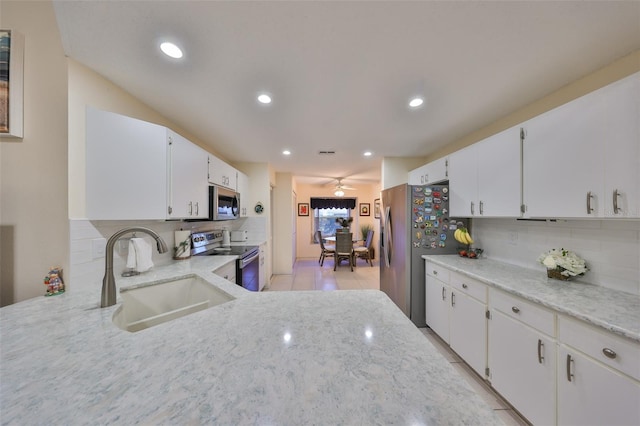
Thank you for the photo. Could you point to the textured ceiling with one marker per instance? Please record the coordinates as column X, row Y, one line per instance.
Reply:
column 341, row 73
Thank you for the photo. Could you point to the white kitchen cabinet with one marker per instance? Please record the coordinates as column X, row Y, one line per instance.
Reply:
column 262, row 277
column 431, row 173
column 597, row 376
column 485, row 178
column 243, row 189
column 188, row 189
column 222, row 174
column 467, row 321
column 138, row 170
column 437, row 296
column 576, row 155
column 522, row 358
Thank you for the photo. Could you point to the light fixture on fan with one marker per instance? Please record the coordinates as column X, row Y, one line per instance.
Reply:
column 339, row 193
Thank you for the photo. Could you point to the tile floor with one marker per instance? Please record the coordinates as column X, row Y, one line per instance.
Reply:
column 308, row 275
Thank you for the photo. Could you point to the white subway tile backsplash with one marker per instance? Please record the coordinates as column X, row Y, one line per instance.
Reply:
column 611, row 248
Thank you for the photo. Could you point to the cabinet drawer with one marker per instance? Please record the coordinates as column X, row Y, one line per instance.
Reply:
column 527, row 312
column 614, row 351
column 473, row 288
column 437, row 271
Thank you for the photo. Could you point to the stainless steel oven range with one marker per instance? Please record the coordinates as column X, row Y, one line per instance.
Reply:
column 209, row 243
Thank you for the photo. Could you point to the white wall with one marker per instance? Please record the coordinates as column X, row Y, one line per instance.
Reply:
column 395, row 170
column 611, row 248
column 284, row 224
column 34, row 233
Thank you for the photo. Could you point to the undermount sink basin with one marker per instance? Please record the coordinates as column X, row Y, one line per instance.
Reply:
column 145, row 306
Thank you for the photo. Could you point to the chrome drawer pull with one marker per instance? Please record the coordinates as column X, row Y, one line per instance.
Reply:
column 444, row 296
column 472, row 208
column 540, row 356
column 453, row 299
column 515, row 309
column 569, row 373
column 616, row 194
column 609, row 353
column 589, row 197
column 464, row 285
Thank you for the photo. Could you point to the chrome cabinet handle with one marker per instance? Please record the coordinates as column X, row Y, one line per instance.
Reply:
column 444, row 295
column 481, row 207
column 435, row 272
column 197, row 208
column 616, row 194
column 515, row 309
column 609, row 353
column 540, row 347
column 190, row 208
column 453, row 299
column 569, row 373
column 464, row 285
column 472, row 208
column 589, row 197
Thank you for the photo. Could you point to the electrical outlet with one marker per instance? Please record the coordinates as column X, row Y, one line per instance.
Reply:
column 98, row 248
column 512, row 238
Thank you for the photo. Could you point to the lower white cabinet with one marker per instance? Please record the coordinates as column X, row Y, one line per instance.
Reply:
column 262, row 274
column 522, row 367
column 437, row 306
column 597, row 377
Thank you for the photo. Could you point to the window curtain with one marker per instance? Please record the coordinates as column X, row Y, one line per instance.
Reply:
column 333, row 203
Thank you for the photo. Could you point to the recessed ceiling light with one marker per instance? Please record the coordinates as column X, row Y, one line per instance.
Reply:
column 367, row 153
column 286, row 152
column 171, row 50
column 416, row 102
column 263, row 98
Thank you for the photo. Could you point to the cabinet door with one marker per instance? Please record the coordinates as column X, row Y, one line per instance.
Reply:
column 418, row 176
column 222, row 174
column 188, row 189
column 245, row 199
column 463, row 182
column 499, row 175
column 468, row 330
column 563, row 160
column 437, row 171
column 126, row 168
column 437, row 307
column 522, row 368
column 622, row 148
column 591, row 394
column 262, row 277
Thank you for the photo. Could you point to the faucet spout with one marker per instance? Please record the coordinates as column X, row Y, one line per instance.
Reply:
column 108, row 297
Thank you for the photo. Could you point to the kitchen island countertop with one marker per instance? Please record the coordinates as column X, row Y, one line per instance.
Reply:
column 276, row 358
column 612, row 310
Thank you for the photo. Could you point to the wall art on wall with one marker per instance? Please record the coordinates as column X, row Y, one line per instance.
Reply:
column 365, row 209
column 303, row 209
column 11, row 83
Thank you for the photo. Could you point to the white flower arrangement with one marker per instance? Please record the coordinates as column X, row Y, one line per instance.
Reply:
column 565, row 261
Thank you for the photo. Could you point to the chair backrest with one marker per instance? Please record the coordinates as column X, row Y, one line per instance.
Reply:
column 319, row 238
column 367, row 243
column 344, row 242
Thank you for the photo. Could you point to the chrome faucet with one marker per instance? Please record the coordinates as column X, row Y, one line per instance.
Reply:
column 109, row 282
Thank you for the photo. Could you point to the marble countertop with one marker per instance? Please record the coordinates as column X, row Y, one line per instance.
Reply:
column 615, row 311
column 273, row 358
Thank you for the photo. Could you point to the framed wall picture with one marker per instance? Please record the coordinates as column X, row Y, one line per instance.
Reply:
column 376, row 208
column 365, row 209
column 11, row 83
column 303, row 209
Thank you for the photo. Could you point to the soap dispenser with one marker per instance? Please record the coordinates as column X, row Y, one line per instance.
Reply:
column 226, row 237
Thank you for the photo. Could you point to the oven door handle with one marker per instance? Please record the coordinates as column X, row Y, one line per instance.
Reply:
column 245, row 262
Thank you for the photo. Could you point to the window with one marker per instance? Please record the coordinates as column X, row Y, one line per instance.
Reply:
column 325, row 220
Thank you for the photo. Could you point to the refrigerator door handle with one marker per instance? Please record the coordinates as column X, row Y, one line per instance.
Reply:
column 387, row 239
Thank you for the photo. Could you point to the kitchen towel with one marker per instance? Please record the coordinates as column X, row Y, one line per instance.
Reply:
column 139, row 258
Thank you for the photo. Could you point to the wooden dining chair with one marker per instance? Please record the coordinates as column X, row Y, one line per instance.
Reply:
column 344, row 249
column 325, row 251
column 364, row 252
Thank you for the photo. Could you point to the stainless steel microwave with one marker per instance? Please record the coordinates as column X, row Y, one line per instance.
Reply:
column 224, row 204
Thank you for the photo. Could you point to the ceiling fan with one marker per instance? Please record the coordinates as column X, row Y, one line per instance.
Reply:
column 340, row 188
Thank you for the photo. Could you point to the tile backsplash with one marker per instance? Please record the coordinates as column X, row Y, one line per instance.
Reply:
column 88, row 240
column 611, row 248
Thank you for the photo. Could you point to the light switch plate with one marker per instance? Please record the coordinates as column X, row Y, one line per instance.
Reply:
column 98, row 246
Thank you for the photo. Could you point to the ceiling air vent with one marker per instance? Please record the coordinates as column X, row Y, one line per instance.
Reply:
column 326, row 152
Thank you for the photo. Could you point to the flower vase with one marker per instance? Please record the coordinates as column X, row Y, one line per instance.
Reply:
column 557, row 274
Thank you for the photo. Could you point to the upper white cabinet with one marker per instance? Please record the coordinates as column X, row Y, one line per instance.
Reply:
column 433, row 172
column 188, row 188
column 582, row 159
column 485, row 178
column 139, row 170
column 243, row 190
column 222, row 174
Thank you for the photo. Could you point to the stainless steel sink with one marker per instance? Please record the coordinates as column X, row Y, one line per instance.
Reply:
column 158, row 302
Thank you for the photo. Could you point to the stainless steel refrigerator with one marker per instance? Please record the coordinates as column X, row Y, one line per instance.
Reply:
column 414, row 222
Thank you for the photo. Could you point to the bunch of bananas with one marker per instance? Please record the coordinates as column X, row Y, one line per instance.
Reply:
column 462, row 236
